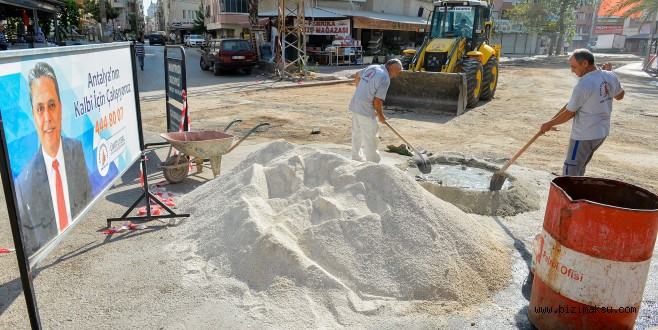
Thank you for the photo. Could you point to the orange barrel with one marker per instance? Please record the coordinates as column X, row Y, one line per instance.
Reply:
column 591, row 260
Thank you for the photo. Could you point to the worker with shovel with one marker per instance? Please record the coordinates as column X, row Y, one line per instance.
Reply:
column 366, row 106
column 590, row 107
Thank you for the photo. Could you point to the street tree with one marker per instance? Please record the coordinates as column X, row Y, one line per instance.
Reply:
column 649, row 11
column 68, row 18
column 552, row 17
column 199, row 25
column 91, row 7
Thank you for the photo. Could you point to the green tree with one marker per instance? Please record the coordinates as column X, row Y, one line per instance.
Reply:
column 554, row 17
column 46, row 25
column 91, row 7
column 649, row 11
column 68, row 18
column 132, row 21
column 199, row 26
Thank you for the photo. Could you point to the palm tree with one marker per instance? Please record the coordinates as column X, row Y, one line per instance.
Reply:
column 634, row 7
column 649, row 11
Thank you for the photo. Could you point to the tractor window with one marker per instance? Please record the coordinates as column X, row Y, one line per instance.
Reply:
column 458, row 22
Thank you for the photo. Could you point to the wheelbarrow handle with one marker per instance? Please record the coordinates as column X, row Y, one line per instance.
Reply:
column 248, row 133
column 231, row 123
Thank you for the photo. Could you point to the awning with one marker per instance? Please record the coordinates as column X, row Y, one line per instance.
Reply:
column 380, row 21
column 314, row 12
column 51, row 6
column 363, row 19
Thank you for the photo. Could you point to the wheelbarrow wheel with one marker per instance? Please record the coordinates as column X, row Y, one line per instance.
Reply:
column 174, row 175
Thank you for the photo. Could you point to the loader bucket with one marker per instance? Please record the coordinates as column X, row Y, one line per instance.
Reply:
column 434, row 92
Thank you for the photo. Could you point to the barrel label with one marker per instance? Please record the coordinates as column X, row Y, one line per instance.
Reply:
column 586, row 279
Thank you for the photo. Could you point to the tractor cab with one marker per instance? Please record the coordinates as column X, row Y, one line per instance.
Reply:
column 460, row 19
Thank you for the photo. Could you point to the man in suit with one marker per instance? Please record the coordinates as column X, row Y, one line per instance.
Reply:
column 54, row 186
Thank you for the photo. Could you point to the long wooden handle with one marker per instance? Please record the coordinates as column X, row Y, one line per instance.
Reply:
column 402, row 137
column 518, row 154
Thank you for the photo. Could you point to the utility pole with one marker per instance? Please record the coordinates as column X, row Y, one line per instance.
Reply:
column 292, row 38
column 101, row 9
column 652, row 33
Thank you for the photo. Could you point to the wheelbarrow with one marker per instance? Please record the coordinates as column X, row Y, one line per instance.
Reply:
column 195, row 147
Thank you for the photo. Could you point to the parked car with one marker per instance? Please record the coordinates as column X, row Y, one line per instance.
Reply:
column 192, row 40
column 226, row 54
column 156, row 39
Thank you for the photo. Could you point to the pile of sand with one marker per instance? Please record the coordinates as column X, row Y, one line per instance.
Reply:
column 327, row 238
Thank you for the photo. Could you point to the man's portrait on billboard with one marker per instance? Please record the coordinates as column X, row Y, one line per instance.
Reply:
column 54, row 186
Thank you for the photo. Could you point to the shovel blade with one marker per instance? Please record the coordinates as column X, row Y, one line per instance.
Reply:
column 422, row 164
column 497, row 181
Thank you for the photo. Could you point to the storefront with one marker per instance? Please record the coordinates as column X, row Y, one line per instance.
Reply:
column 28, row 23
column 384, row 33
column 369, row 32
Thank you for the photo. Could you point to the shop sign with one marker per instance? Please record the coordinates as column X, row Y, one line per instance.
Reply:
column 379, row 24
column 181, row 24
column 334, row 28
column 609, row 29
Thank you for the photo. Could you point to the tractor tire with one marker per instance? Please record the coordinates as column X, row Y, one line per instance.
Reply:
column 473, row 70
column 216, row 70
column 204, row 66
column 489, row 79
column 175, row 175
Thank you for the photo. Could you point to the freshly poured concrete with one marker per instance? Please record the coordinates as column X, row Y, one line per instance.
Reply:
column 464, row 182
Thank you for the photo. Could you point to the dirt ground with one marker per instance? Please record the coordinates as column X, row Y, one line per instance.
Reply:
column 528, row 93
column 138, row 280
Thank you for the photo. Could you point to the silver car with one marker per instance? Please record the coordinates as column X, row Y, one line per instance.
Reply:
column 192, row 40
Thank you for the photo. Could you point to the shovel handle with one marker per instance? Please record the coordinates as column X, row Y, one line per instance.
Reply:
column 402, row 137
column 518, row 154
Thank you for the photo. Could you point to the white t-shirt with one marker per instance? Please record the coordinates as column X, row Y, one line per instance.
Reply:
column 591, row 100
column 374, row 83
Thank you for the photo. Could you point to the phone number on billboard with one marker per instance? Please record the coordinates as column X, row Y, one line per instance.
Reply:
column 112, row 119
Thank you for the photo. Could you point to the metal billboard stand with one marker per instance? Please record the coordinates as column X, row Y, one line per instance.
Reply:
column 23, row 261
column 184, row 122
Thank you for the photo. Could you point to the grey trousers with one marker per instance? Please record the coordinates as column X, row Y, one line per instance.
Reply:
column 579, row 153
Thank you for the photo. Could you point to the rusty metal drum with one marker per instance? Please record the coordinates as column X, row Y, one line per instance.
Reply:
column 592, row 258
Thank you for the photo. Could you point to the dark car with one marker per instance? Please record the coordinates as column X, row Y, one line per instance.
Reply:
column 156, row 39
column 227, row 54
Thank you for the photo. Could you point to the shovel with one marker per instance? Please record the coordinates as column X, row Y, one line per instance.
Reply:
column 498, row 178
column 419, row 158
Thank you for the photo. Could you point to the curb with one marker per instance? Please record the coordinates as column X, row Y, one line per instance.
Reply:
column 309, row 84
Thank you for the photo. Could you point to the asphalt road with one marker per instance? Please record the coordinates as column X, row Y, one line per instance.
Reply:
column 152, row 78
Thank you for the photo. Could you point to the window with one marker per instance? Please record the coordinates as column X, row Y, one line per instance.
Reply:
column 234, row 6
column 235, row 46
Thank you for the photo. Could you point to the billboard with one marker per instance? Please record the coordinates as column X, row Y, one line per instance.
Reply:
column 70, row 121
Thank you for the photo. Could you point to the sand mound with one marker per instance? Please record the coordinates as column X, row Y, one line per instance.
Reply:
column 322, row 224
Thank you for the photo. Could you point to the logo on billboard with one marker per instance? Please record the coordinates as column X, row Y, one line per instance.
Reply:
column 102, row 157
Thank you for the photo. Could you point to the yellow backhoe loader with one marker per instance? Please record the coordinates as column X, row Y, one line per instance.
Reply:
column 455, row 67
